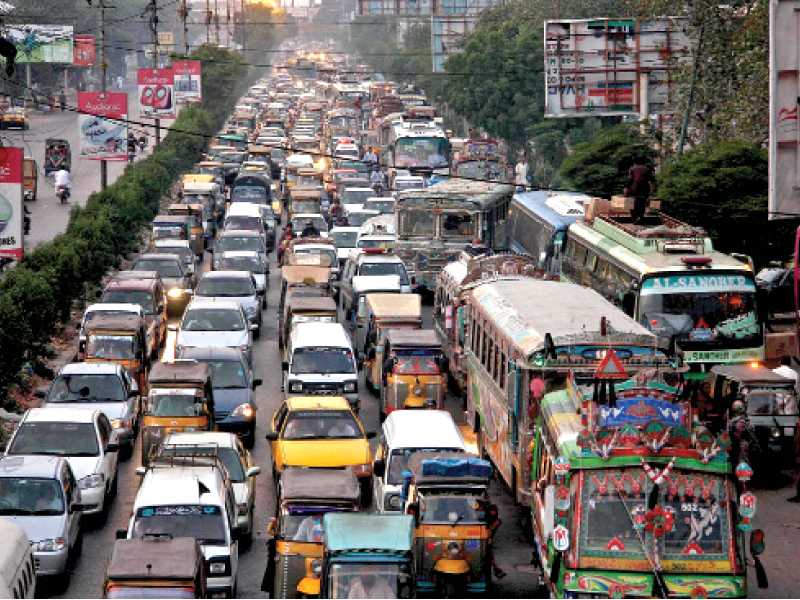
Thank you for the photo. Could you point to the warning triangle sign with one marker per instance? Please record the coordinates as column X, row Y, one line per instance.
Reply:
column 610, row 368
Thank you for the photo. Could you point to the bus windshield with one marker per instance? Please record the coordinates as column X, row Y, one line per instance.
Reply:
column 692, row 512
column 421, row 152
column 701, row 309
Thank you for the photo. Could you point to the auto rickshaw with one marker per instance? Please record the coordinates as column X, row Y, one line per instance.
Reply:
column 368, row 556
column 57, row 155
column 414, row 373
column 301, row 309
column 252, row 184
column 195, row 214
column 448, row 495
column 156, row 567
column 290, row 177
column 771, row 404
column 301, row 276
column 204, row 189
column 177, row 227
column 304, row 200
column 214, row 168
column 30, row 178
column 384, row 312
column 294, row 553
column 121, row 339
column 180, row 397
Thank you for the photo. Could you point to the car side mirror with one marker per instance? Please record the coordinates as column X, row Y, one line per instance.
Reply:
column 379, row 468
column 78, row 326
column 371, row 435
column 75, row 507
column 40, row 394
column 272, row 528
column 112, row 447
column 253, row 471
column 272, row 436
column 257, row 382
column 133, row 393
column 172, row 327
column 285, row 365
column 140, row 471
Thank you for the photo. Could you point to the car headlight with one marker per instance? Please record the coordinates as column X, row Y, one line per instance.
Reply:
column 776, row 433
column 350, row 386
column 316, row 566
column 175, row 293
column 394, row 502
column 91, row 481
column 417, row 390
column 363, row 469
column 154, row 432
column 218, row 567
column 296, row 387
column 51, row 545
column 453, row 548
column 120, row 423
column 251, row 310
column 241, row 509
column 245, row 348
column 245, row 410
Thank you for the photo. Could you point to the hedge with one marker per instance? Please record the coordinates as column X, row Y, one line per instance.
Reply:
column 39, row 294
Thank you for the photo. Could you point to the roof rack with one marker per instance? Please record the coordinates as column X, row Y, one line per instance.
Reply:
column 186, row 455
column 667, row 235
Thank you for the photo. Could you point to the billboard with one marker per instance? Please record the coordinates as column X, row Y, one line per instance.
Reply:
column 784, row 84
column 600, row 67
column 166, row 42
column 41, row 43
column 12, row 218
column 83, row 51
column 102, row 136
column 188, row 85
column 156, row 93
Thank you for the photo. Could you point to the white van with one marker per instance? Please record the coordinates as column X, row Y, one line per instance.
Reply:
column 244, row 216
column 17, row 573
column 320, row 361
column 407, row 432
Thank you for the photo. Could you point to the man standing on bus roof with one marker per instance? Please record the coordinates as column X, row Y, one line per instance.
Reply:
column 639, row 181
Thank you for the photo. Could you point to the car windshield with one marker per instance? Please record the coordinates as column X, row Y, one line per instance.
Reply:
column 213, row 319
column 185, row 253
column 416, row 223
column 204, row 523
column 398, row 461
column 174, row 405
column 140, row 297
column 385, row 207
column 249, row 194
column 356, row 196
column 370, row 580
column 90, row 315
column 227, row 374
column 305, row 206
column 321, row 424
column 164, row 268
column 768, row 402
column 229, row 457
column 345, row 239
column 242, row 263
column 299, row 223
column 387, row 244
column 354, row 164
column 385, row 268
column 421, row 152
column 87, row 388
column 409, row 184
column 450, row 508
column 459, row 225
column 55, row 439
column 169, row 233
column 322, row 361
column 21, row 496
column 226, row 287
column 357, row 219
column 232, row 243
column 243, row 223
column 416, row 365
column 110, row 347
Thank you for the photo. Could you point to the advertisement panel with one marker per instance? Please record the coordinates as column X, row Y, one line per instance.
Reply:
column 156, row 93
column 83, row 51
column 188, row 87
column 605, row 67
column 103, row 125
column 12, row 218
column 784, row 87
column 41, row 43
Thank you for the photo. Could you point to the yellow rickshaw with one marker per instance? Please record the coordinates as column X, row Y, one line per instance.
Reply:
column 385, row 312
column 121, row 339
column 449, row 499
column 294, row 552
column 180, row 398
column 414, row 372
column 195, row 214
column 304, row 201
column 302, row 276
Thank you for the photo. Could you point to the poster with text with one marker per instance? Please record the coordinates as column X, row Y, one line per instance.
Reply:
column 12, row 218
column 83, row 53
column 103, row 125
column 156, row 93
column 187, row 81
column 41, row 43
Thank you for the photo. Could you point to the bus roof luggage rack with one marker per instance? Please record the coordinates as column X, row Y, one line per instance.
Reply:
column 668, row 235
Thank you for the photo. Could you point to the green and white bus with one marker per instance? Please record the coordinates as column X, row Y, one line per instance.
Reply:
column 667, row 275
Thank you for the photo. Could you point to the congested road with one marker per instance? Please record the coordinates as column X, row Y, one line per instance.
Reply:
column 513, row 550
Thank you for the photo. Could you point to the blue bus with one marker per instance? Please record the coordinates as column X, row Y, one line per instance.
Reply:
column 538, row 221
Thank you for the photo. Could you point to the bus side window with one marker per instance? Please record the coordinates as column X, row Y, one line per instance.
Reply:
column 503, row 368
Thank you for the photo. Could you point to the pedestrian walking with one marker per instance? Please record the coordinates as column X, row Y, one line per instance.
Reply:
column 521, row 172
column 640, row 178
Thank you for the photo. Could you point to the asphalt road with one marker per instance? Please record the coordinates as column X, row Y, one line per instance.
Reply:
column 49, row 217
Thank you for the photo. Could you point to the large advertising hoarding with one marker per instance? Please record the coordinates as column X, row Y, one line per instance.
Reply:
column 103, row 125
column 83, row 52
column 784, row 84
column 600, row 67
column 156, row 93
column 188, row 85
column 41, row 43
column 12, row 219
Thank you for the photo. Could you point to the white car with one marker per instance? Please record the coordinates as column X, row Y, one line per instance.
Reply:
column 214, row 324
column 85, row 437
column 345, row 238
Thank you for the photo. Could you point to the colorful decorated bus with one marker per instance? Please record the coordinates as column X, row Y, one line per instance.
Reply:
column 667, row 275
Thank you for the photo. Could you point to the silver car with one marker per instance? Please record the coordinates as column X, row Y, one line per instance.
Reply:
column 214, row 324
column 239, row 286
column 246, row 260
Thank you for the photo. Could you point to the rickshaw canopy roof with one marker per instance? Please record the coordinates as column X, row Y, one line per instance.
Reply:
column 180, row 371
column 310, row 240
column 327, row 485
column 180, row 209
column 305, row 193
column 360, row 531
column 413, row 338
column 415, row 466
column 747, row 375
column 155, row 559
column 395, row 305
column 167, row 220
column 374, row 283
column 121, row 323
column 311, row 303
column 299, row 273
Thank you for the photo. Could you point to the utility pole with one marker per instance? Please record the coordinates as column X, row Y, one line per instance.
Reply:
column 216, row 22
column 103, row 166
column 208, row 22
column 154, row 30
column 228, row 21
column 185, row 29
column 243, row 33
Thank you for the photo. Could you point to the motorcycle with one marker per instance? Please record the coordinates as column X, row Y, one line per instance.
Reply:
column 142, row 143
column 62, row 193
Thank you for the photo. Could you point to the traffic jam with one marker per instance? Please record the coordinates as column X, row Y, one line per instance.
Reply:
column 349, row 310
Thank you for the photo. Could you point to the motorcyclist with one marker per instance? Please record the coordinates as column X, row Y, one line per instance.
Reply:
column 370, row 159
column 376, row 179
column 27, row 217
column 62, row 180
column 131, row 147
column 309, row 230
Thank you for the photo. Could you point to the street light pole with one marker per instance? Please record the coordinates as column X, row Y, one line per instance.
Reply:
column 103, row 165
column 154, row 29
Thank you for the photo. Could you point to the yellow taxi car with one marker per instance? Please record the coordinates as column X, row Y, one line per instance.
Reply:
column 321, row 431
column 14, row 117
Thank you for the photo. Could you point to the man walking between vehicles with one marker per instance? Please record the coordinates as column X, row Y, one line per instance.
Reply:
column 639, row 182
